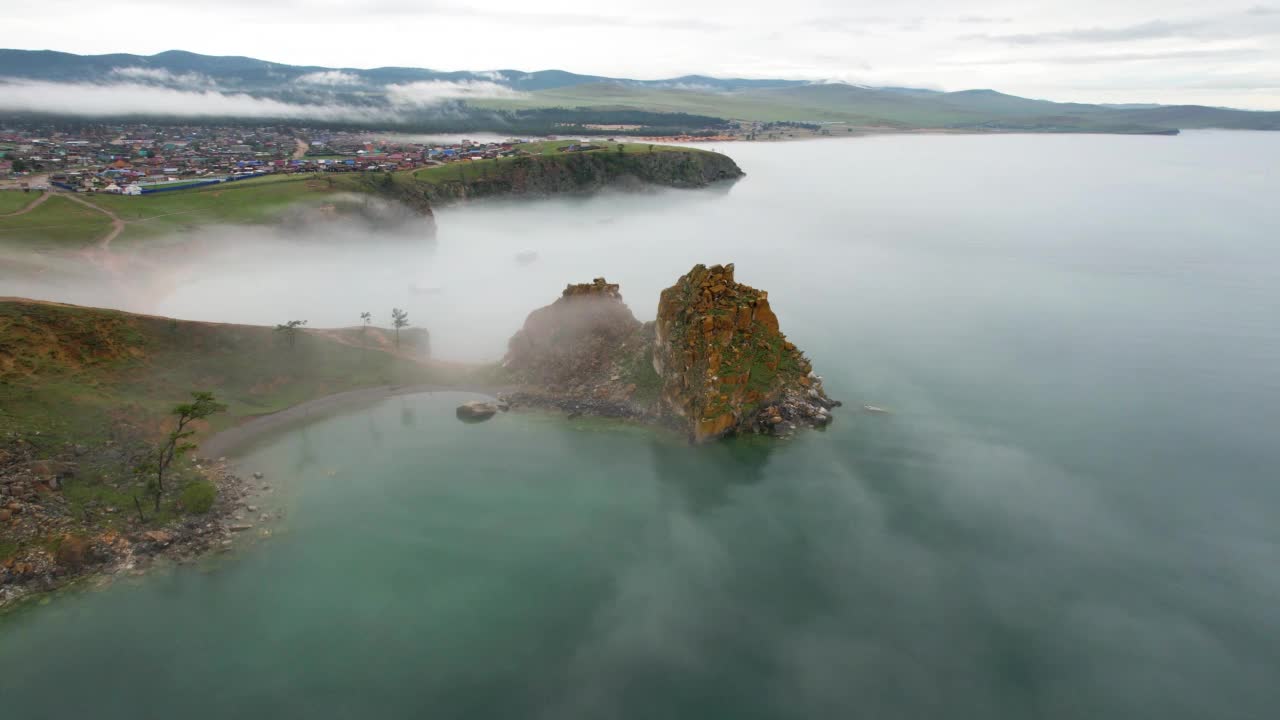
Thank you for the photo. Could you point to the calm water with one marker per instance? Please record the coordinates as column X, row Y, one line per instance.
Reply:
column 1071, row 513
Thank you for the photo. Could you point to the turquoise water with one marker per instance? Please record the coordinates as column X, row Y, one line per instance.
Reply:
column 1071, row 511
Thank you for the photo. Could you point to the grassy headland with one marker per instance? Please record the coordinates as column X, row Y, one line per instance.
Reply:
column 60, row 224
column 547, row 170
column 102, row 381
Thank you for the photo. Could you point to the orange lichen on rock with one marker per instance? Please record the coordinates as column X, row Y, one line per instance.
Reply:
column 721, row 355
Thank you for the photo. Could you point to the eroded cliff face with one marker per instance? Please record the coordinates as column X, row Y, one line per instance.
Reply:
column 589, row 171
column 714, row 362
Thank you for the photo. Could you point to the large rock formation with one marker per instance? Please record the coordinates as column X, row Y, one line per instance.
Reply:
column 714, row 363
column 725, row 365
column 571, row 342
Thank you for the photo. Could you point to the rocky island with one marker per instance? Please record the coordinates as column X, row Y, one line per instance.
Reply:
column 713, row 363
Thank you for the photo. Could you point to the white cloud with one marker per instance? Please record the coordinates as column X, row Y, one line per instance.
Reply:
column 434, row 92
column 161, row 76
column 141, row 99
column 907, row 42
column 329, row 77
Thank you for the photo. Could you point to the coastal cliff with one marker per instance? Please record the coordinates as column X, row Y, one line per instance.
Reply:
column 714, row 363
column 554, row 172
column 550, row 172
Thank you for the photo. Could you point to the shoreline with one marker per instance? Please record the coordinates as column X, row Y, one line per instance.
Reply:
column 113, row 553
column 228, row 441
column 95, row 559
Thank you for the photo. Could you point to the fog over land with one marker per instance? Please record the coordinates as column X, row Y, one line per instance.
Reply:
column 1068, row 512
column 471, row 284
column 193, row 96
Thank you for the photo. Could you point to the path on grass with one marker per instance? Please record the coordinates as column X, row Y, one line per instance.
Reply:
column 32, row 206
column 117, row 225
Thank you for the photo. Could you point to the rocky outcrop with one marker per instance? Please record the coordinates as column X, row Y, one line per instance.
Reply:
column 572, row 345
column 714, row 362
column 725, row 365
column 582, row 172
column 47, row 541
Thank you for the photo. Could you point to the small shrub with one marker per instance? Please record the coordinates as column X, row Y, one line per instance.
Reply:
column 197, row 497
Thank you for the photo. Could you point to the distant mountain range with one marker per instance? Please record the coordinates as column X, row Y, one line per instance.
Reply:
column 243, row 73
column 188, row 85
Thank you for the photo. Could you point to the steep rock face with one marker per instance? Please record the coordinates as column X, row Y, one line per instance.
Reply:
column 714, row 362
column 725, row 365
column 571, row 345
column 589, row 171
column 412, row 200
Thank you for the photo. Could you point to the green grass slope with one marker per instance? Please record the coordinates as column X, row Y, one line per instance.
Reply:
column 14, row 200
column 63, row 224
column 57, row 224
column 245, row 202
column 87, row 375
column 889, row 108
column 97, row 385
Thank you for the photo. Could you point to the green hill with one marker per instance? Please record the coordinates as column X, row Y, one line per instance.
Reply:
column 539, row 102
column 72, row 372
column 890, row 108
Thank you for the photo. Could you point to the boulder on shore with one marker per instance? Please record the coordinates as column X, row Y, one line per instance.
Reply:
column 476, row 411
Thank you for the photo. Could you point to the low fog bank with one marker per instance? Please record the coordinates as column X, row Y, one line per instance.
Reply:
column 471, row 283
column 1069, row 511
column 924, row 569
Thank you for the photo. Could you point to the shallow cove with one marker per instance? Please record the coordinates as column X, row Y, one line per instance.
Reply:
column 1069, row 513
column 486, row 552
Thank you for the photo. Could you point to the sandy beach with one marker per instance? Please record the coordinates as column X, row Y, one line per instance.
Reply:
column 229, row 440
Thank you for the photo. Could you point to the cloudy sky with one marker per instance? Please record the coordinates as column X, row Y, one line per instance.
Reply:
column 1171, row 51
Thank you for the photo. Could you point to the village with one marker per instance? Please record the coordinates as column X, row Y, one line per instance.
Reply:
column 140, row 158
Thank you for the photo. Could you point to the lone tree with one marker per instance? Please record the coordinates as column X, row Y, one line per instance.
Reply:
column 367, row 320
column 399, row 318
column 157, row 462
column 290, row 329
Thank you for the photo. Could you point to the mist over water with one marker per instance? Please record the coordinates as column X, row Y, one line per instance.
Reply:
column 1070, row 513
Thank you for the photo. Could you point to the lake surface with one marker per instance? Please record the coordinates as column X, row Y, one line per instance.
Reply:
column 1072, row 511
